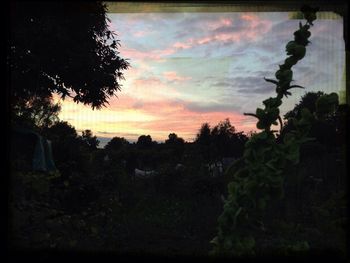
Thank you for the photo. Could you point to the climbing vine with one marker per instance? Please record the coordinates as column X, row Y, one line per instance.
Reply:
column 257, row 178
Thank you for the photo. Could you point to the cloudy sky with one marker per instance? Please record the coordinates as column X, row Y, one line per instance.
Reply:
column 190, row 68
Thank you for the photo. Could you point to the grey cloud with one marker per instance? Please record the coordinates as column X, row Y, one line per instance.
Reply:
column 285, row 26
column 222, row 84
column 104, row 132
column 256, row 90
column 263, row 73
column 229, row 29
column 210, row 107
column 249, row 81
column 138, row 105
column 204, row 107
column 247, row 84
column 240, row 68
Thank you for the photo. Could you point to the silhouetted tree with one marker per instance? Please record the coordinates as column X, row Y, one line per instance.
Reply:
column 116, row 143
column 173, row 139
column 224, row 128
column 35, row 113
column 220, row 141
column 307, row 101
column 176, row 145
column 144, row 141
column 90, row 140
column 203, row 140
column 225, row 141
column 63, row 47
column 323, row 131
column 61, row 131
column 66, row 148
column 203, row 137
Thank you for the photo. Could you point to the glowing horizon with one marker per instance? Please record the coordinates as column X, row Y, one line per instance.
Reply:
column 191, row 68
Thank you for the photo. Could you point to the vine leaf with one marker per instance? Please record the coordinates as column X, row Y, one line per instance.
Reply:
column 296, row 86
column 271, row 80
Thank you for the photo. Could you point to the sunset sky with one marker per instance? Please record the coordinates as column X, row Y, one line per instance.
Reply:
column 190, row 68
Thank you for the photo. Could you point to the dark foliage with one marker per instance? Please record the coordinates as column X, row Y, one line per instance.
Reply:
column 63, row 47
column 220, row 141
column 36, row 113
column 145, row 141
column 116, row 143
column 90, row 140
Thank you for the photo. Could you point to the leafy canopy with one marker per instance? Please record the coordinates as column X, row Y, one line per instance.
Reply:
column 65, row 48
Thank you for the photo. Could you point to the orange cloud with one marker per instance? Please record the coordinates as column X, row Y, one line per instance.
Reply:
column 136, row 116
column 171, row 116
column 186, row 123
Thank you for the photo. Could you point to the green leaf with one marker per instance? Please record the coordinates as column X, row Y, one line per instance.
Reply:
column 260, row 113
column 300, row 51
column 72, row 243
column 40, row 184
column 287, row 75
column 232, row 188
column 271, row 80
column 261, row 125
column 293, row 156
column 261, row 136
column 214, row 241
column 248, row 243
column 251, row 187
column 270, row 164
column 261, row 204
column 241, row 173
column 237, row 213
column 227, row 244
column 290, row 61
column 326, row 104
column 306, row 116
column 296, row 86
column 290, row 47
column 278, row 74
column 272, row 102
column 94, row 230
column 307, row 139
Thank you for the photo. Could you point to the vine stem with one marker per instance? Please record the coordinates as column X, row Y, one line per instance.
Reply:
column 250, row 114
column 281, row 123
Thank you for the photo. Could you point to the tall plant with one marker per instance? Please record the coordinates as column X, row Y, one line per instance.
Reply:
column 258, row 176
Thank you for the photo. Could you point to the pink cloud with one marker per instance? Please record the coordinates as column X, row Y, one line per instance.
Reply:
column 186, row 123
column 221, row 22
column 162, row 116
column 180, row 45
column 249, row 17
column 173, row 76
column 141, row 55
column 254, row 28
column 172, row 116
column 123, row 101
